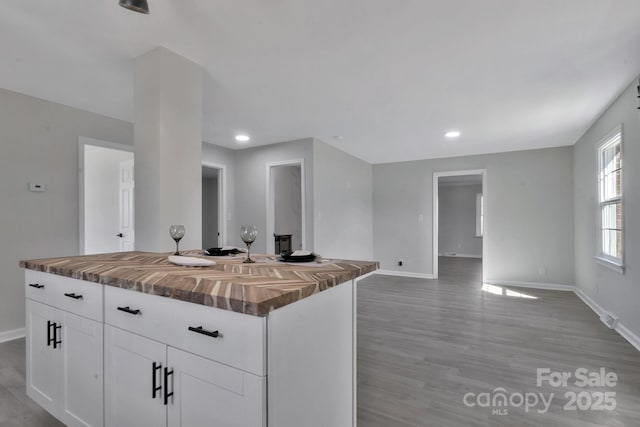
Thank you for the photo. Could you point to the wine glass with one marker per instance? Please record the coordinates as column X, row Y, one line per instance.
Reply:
column 248, row 234
column 177, row 233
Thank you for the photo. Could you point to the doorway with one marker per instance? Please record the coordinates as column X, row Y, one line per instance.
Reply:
column 459, row 219
column 286, row 204
column 106, row 197
column 213, row 205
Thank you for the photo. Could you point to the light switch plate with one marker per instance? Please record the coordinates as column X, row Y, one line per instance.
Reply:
column 36, row 187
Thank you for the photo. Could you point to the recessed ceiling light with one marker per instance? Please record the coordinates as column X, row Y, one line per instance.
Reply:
column 338, row 137
column 452, row 134
column 242, row 138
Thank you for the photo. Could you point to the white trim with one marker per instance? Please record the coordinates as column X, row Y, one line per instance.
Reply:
column 222, row 197
column 403, row 274
column 610, row 264
column 270, row 226
column 459, row 255
column 589, row 302
column 532, row 285
column 435, row 214
column 626, row 333
column 621, row 329
column 11, row 335
column 82, row 141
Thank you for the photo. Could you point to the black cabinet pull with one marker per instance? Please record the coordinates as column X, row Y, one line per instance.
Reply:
column 73, row 295
column 36, row 285
column 127, row 309
column 167, row 373
column 154, row 387
column 49, row 339
column 201, row 330
column 55, row 335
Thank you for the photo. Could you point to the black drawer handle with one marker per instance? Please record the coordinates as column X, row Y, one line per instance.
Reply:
column 73, row 295
column 155, row 388
column 49, row 339
column 127, row 309
column 167, row 373
column 56, row 341
column 36, row 285
column 201, row 330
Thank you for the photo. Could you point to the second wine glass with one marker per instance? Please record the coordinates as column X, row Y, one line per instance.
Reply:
column 248, row 234
column 177, row 233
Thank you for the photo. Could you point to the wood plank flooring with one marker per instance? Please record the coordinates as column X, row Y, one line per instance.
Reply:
column 424, row 344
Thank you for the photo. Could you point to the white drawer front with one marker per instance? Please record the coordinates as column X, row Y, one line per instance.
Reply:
column 241, row 338
column 72, row 295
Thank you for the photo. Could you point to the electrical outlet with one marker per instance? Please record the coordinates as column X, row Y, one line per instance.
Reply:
column 400, row 263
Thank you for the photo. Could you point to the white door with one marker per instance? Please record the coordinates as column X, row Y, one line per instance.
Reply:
column 43, row 360
column 127, row 206
column 207, row 393
column 129, row 378
column 83, row 381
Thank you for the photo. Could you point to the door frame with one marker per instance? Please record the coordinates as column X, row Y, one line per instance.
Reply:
column 436, row 213
column 222, row 200
column 82, row 142
column 270, row 226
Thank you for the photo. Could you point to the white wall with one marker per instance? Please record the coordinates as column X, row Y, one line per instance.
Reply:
column 288, row 203
column 40, row 143
column 457, row 220
column 343, row 215
column 251, row 188
column 102, row 198
column 209, row 212
column 615, row 292
column 528, row 208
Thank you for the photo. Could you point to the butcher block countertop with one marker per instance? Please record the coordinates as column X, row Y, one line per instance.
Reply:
column 254, row 289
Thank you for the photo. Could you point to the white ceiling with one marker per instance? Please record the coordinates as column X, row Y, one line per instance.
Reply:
column 390, row 76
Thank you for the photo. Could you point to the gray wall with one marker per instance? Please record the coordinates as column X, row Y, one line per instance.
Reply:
column 615, row 292
column 102, row 198
column 40, row 143
column 209, row 212
column 528, row 214
column 225, row 157
column 288, row 203
column 251, row 189
column 457, row 220
column 343, row 204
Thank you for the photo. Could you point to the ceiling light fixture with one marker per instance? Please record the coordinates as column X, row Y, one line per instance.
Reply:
column 139, row 6
column 452, row 134
column 242, row 138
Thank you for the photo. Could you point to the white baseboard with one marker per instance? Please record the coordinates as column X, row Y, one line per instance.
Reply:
column 12, row 335
column 459, row 255
column 404, row 274
column 532, row 285
column 589, row 302
column 626, row 333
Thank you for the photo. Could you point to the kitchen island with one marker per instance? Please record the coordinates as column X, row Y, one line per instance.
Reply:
column 131, row 339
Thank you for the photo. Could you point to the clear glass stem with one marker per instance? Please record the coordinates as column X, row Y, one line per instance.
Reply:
column 248, row 259
column 177, row 246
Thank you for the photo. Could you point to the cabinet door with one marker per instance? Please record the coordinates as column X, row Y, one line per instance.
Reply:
column 129, row 380
column 207, row 393
column 43, row 360
column 82, row 371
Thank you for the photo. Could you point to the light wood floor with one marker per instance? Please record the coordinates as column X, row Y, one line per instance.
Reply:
column 424, row 344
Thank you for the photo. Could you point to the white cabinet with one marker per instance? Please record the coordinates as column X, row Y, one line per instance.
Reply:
column 133, row 380
column 150, row 383
column 64, row 364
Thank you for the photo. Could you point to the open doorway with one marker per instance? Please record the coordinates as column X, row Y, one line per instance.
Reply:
column 285, row 206
column 459, row 222
column 213, row 205
column 106, row 195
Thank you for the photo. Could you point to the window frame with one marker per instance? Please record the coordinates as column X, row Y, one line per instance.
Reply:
column 613, row 263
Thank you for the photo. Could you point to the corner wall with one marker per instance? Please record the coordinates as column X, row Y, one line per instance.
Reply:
column 614, row 292
column 40, row 143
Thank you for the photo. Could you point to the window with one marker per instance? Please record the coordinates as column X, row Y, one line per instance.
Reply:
column 610, row 247
column 479, row 215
